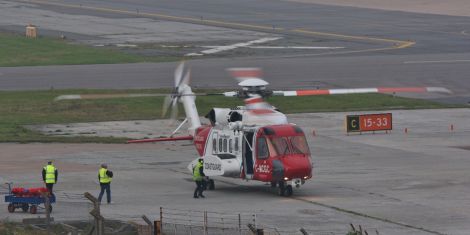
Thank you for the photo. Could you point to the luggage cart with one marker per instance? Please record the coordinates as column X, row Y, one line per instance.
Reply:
column 29, row 203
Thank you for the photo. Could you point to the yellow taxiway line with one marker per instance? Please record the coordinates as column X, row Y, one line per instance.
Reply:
column 397, row 44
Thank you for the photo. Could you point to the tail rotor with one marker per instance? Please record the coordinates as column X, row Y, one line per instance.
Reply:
column 171, row 100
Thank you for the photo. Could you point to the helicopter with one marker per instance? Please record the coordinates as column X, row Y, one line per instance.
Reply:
column 254, row 141
column 250, row 142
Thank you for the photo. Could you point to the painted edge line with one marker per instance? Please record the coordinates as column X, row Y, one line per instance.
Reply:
column 369, row 216
column 400, row 44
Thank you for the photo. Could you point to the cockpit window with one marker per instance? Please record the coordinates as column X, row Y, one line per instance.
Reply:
column 281, row 145
column 262, row 148
column 299, row 144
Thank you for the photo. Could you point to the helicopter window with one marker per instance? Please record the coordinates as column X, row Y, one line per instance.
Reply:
column 299, row 144
column 220, row 145
column 262, row 148
column 281, row 146
column 230, row 148
column 236, row 144
column 214, row 145
column 224, row 156
column 225, row 145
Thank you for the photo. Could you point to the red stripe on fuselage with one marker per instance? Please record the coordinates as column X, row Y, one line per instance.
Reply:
column 313, row 92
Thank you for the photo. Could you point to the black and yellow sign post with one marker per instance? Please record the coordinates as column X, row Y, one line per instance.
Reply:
column 369, row 122
column 352, row 123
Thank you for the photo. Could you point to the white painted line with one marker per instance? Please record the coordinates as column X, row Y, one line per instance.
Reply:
column 294, row 47
column 126, row 45
column 194, row 54
column 435, row 61
column 235, row 46
column 284, row 47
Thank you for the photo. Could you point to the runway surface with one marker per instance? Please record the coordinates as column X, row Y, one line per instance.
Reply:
column 396, row 183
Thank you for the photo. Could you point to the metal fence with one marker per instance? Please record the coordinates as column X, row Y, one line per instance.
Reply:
column 177, row 221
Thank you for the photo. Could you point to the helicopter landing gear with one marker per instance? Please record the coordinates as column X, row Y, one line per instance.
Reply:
column 289, row 191
column 284, row 189
column 273, row 184
column 211, row 184
column 281, row 189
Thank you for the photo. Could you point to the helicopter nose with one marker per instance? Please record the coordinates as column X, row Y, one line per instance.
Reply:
column 297, row 168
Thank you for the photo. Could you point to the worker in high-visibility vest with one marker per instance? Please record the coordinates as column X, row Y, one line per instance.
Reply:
column 105, row 176
column 50, row 176
column 198, row 177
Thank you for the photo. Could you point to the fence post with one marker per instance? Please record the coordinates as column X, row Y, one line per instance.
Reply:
column 149, row 223
column 158, row 227
column 254, row 220
column 240, row 224
column 47, row 205
column 161, row 219
column 99, row 220
column 205, row 223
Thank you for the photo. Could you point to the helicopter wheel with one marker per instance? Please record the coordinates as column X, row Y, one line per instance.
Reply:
column 273, row 184
column 282, row 189
column 211, row 185
column 25, row 207
column 11, row 208
column 289, row 191
column 33, row 209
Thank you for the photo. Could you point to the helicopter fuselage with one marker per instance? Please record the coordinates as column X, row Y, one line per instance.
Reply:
column 269, row 153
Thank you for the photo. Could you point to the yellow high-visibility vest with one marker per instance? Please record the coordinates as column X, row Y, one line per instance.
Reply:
column 50, row 174
column 196, row 174
column 104, row 178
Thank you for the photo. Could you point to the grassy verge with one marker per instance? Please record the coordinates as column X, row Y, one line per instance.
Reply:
column 18, row 50
column 21, row 108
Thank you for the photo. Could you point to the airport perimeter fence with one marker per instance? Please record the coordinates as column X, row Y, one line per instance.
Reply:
column 193, row 222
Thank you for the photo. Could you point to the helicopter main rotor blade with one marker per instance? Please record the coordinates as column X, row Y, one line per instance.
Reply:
column 179, row 74
column 363, row 90
column 113, row 96
column 103, row 96
column 166, row 105
column 174, row 109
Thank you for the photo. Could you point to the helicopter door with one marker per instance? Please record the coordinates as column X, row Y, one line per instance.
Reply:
column 248, row 153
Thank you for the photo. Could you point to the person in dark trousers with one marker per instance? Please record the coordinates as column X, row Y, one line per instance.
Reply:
column 198, row 177
column 50, row 176
column 105, row 176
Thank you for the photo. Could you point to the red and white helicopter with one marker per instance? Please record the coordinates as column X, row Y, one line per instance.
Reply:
column 251, row 142
column 255, row 141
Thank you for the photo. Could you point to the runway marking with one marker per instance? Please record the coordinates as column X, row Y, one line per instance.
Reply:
column 464, row 32
column 367, row 216
column 436, row 61
column 233, row 46
column 398, row 44
column 286, row 47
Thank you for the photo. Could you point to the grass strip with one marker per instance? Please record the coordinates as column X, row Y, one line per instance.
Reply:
column 16, row 50
column 19, row 108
